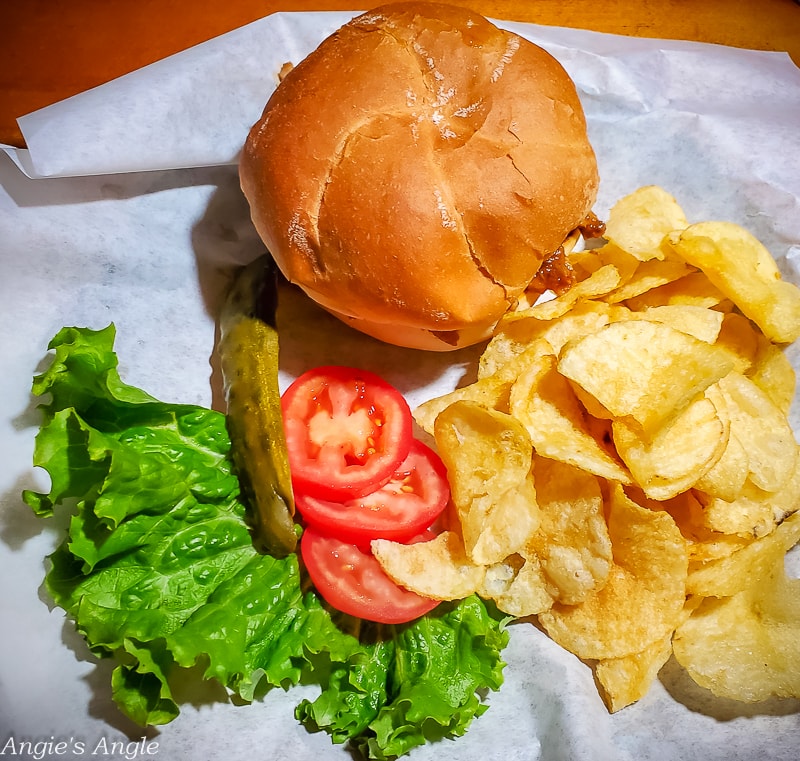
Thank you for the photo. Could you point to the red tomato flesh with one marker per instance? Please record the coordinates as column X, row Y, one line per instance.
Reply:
column 409, row 502
column 353, row 582
column 347, row 431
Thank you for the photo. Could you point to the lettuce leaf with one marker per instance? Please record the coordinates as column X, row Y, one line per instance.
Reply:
column 158, row 571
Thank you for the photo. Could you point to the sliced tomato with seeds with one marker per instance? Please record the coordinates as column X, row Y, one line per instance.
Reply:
column 352, row 581
column 409, row 502
column 347, row 430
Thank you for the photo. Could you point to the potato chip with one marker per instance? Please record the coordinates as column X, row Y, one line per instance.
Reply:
column 572, row 543
column 630, row 368
column 745, row 271
column 599, row 283
column 704, row 545
column 726, row 576
column 584, row 318
column 544, row 402
column 517, row 337
column 712, row 546
column 694, row 289
column 678, row 453
column 488, row 456
column 754, row 512
column 769, row 440
column 438, row 568
column 731, row 647
column 627, row 444
column 598, row 419
column 501, row 524
column 638, row 222
column 625, row 680
column 744, row 646
column 490, row 392
column 498, row 576
column 751, row 514
column 738, row 336
column 587, row 262
column 726, row 478
column 704, row 324
column 643, row 597
column 648, row 275
column 772, row 372
column 518, row 586
column 514, row 339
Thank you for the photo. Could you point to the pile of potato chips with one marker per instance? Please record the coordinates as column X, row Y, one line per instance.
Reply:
column 623, row 469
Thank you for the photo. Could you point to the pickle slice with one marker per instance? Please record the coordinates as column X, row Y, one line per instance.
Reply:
column 248, row 352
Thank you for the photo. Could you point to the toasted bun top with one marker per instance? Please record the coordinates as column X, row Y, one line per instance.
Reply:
column 417, row 167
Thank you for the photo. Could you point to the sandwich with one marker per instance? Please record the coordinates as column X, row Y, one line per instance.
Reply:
column 415, row 172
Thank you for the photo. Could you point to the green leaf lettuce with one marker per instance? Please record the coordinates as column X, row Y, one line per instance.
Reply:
column 158, row 571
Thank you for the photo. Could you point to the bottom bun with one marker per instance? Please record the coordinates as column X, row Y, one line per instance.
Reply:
column 419, row 338
column 426, row 339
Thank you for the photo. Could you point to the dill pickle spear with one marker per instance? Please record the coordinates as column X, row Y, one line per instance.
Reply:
column 248, row 352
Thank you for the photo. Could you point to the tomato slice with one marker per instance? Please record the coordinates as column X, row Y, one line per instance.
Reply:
column 347, row 430
column 409, row 502
column 353, row 582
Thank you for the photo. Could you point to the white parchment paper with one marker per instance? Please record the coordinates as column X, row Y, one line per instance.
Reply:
column 126, row 208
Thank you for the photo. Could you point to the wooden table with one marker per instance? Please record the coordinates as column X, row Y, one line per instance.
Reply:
column 51, row 49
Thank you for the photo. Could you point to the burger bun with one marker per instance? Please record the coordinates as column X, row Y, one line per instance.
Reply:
column 414, row 171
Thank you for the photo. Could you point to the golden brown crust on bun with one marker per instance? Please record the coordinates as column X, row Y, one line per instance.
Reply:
column 416, row 169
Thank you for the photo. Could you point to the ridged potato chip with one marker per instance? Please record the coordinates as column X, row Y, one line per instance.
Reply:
column 625, row 680
column 488, row 456
column 643, row 598
column 772, row 372
column 770, row 443
column 678, row 453
column 438, row 568
column 631, row 368
column 648, row 275
column 638, row 222
column 624, row 469
column 742, row 268
column 754, row 512
column 518, row 586
column 544, row 402
column 693, row 289
column 704, row 324
column 744, row 646
column 572, row 543
column 726, row 576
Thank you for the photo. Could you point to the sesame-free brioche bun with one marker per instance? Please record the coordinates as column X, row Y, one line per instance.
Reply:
column 414, row 171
